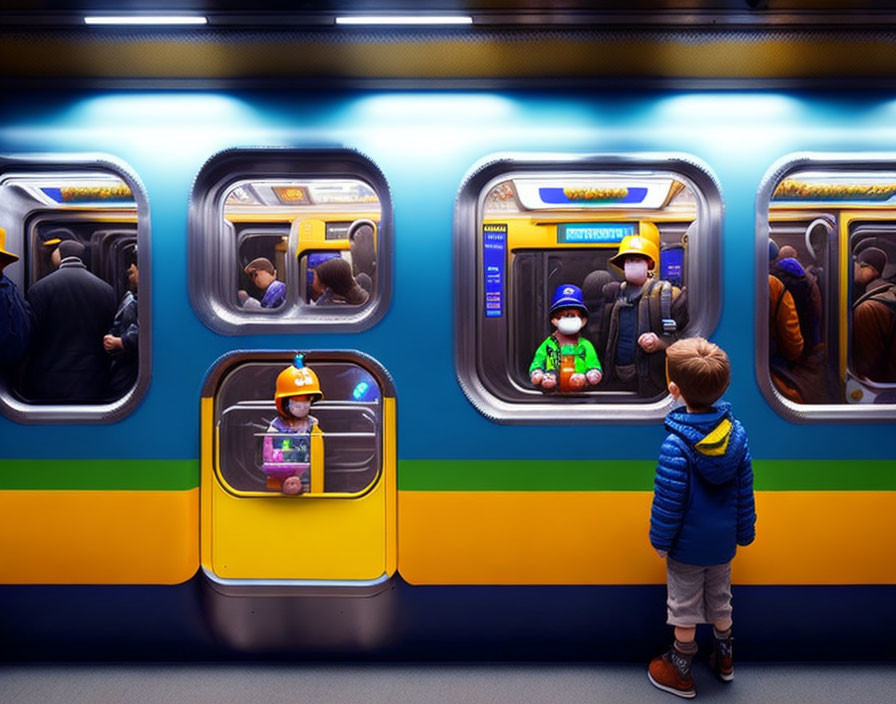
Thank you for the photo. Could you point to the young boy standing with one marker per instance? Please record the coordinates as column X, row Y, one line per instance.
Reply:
column 703, row 509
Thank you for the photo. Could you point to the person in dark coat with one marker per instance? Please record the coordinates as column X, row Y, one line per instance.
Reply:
column 121, row 341
column 73, row 310
column 874, row 319
column 15, row 314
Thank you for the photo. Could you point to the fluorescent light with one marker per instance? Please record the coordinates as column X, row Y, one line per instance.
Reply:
column 405, row 19
column 145, row 19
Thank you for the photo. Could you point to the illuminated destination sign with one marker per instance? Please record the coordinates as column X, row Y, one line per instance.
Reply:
column 794, row 189
column 574, row 192
column 594, row 233
column 117, row 193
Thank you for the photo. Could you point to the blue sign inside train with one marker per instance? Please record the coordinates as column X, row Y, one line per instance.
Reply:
column 594, row 233
column 494, row 246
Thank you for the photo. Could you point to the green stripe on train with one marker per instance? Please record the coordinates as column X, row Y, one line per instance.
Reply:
column 632, row 475
column 103, row 475
column 456, row 475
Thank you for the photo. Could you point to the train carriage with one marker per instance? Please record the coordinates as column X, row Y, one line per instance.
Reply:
column 461, row 174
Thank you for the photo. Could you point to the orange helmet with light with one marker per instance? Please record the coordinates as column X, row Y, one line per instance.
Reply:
column 646, row 244
column 297, row 380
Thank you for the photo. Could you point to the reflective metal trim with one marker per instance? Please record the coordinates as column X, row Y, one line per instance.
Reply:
column 210, row 254
column 704, row 276
column 791, row 163
column 295, row 583
column 57, row 414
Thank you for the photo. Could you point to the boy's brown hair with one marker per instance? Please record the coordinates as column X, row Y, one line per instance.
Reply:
column 700, row 369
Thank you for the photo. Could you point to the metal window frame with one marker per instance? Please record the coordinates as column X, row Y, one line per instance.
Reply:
column 209, row 254
column 60, row 414
column 704, row 275
column 805, row 413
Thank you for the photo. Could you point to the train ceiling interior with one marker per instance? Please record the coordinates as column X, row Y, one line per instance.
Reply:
column 786, row 43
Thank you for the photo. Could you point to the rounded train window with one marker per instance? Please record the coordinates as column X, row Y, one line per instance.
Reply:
column 826, row 318
column 74, row 242
column 573, row 274
column 289, row 241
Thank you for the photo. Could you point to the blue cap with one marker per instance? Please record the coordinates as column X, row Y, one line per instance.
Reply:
column 568, row 296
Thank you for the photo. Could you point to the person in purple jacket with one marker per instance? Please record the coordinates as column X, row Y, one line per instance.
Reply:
column 703, row 508
column 263, row 274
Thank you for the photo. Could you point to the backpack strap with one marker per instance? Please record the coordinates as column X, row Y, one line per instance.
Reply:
column 670, row 327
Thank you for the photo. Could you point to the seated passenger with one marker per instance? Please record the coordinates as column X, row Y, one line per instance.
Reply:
column 264, row 276
column 874, row 319
column 333, row 283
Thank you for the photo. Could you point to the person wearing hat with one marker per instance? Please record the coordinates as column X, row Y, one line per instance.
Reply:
column 264, row 276
column 566, row 357
column 333, row 282
column 15, row 314
column 645, row 317
column 874, row 319
column 122, row 341
column 73, row 310
column 286, row 453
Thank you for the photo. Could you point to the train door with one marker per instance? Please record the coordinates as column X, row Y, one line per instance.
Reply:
column 340, row 530
column 537, row 229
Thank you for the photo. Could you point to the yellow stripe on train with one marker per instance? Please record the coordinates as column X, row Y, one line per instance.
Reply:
column 803, row 537
column 99, row 537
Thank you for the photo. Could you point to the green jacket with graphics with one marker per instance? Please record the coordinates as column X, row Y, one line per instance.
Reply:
column 547, row 356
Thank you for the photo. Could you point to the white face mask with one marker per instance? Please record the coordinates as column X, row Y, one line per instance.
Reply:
column 569, row 326
column 636, row 270
column 299, row 408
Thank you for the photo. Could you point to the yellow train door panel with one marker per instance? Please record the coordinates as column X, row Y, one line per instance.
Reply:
column 298, row 496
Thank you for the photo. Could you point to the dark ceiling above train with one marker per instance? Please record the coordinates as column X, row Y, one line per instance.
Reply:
column 619, row 43
column 483, row 12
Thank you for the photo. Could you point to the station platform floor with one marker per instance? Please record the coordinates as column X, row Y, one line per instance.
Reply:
column 490, row 683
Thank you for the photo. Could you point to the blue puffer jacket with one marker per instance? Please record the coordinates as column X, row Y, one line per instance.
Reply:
column 703, row 491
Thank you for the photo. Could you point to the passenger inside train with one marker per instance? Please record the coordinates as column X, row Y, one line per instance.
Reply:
column 644, row 319
column 78, row 233
column 830, row 321
column 264, row 276
column 254, row 424
column 874, row 318
column 122, row 341
column 15, row 315
column 333, row 282
column 566, row 357
column 287, row 443
column 285, row 230
column 616, row 237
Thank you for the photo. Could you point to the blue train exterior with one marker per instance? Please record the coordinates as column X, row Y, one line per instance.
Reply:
column 425, row 142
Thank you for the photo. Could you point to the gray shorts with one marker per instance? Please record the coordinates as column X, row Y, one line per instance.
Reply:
column 697, row 594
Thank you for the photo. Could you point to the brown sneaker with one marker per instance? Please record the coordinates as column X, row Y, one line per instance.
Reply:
column 722, row 659
column 671, row 672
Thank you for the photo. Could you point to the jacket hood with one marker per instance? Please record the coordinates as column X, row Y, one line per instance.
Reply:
column 716, row 448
